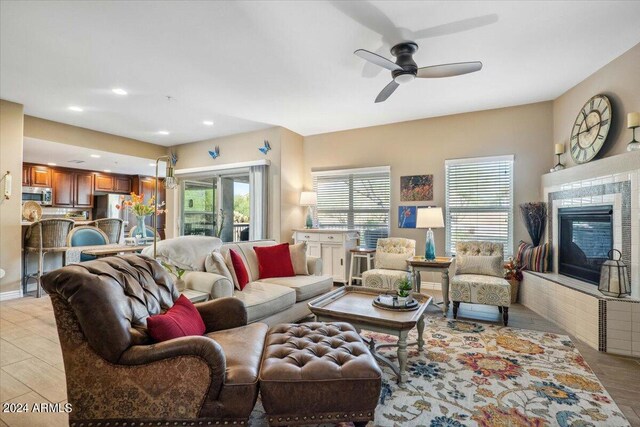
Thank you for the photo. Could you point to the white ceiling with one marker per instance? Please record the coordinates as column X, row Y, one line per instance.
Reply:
column 70, row 156
column 247, row 65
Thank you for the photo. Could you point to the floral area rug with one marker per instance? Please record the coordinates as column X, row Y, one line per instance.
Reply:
column 472, row 374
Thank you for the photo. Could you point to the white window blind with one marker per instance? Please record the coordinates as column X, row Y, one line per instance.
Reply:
column 479, row 201
column 354, row 199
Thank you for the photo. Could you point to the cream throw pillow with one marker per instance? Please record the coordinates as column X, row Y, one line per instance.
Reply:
column 480, row 264
column 390, row 261
column 299, row 258
column 215, row 263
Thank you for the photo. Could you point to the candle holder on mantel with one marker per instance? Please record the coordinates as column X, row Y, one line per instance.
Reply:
column 559, row 150
column 633, row 121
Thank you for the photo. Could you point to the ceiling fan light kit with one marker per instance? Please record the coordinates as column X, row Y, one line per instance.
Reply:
column 405, row 69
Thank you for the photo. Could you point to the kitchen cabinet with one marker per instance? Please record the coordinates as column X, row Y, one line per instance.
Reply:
column 122, row 184
column 62, row 188
column 104, row 183
column 83, row 189
column 333, row 246
column 72, row 189
column 36, row 176
column 26, row 179
column 112, row 183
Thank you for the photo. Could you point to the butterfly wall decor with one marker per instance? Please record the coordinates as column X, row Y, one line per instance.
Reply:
column 215, row 153
column 266, row 148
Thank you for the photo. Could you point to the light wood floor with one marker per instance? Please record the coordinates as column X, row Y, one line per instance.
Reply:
column 32, row 370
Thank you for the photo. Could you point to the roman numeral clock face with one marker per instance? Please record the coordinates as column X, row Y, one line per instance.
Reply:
column 590, row 129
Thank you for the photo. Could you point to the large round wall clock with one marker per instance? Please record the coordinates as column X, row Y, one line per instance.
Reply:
column 590, row 129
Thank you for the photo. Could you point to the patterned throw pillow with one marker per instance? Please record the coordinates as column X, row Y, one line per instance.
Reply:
column 534, row 258
column 480, row 264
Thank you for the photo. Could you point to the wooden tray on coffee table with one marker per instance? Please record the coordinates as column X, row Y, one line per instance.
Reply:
column 353, row 304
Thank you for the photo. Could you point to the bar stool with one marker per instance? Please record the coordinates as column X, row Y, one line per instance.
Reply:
column 43, row 237
column 112, row 228
column 359, row 254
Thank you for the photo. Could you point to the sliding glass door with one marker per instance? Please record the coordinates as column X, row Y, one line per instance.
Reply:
column 199, row 207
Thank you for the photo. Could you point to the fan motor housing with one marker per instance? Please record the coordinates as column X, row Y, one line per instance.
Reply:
column 404, row 58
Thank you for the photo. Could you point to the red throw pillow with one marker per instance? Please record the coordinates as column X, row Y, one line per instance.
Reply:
column 181, row 320
column 274, row 261
column 238, row 267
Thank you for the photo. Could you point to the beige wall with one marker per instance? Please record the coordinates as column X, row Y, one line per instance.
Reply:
column 620, row 82
column 233, row 149
column 421, row 147
column 11, row 128
column 291, row 184
column 47, row 130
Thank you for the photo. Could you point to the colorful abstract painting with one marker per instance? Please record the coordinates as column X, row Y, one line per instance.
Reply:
column 416, row 188
column 407, row 216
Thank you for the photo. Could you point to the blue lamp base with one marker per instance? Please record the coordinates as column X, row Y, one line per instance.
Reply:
column 430, row 250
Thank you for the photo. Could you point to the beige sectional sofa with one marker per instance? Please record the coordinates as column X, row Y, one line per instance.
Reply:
column 272, row 301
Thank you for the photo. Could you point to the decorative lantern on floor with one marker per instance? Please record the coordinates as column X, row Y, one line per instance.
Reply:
column 614, row 278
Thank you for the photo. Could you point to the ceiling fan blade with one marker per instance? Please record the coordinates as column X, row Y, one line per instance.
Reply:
column 371, row 70
column 377, row 59
column 455, row 27
column 449, row 70
column 369, row 16
column 387, row 91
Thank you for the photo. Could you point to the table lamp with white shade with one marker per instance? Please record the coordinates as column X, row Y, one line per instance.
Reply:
column 430, row 217
column 309, row 199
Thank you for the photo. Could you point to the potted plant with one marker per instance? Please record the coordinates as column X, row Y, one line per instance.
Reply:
column 513, row 273
column 404, row 291
column 179, row 272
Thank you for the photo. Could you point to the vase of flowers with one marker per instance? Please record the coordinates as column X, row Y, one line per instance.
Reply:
column 137, row 206
column 513, row 274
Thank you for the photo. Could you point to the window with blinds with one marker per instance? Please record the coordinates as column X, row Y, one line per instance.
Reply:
column 479, row 201
column 354, row 199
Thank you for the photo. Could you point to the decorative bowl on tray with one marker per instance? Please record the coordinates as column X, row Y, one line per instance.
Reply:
column 394, row 302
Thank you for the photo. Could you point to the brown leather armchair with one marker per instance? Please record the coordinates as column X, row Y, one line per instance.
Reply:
column 116, row 374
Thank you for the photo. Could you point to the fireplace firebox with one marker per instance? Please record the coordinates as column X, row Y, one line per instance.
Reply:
column 586, row 236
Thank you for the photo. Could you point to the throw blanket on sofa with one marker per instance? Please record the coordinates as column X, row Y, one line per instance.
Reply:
column 188, row 252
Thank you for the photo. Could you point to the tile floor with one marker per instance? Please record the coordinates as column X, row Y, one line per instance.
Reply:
column 32, row 371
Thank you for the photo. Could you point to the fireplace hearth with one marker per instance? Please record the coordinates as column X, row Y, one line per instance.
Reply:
column 586, row 237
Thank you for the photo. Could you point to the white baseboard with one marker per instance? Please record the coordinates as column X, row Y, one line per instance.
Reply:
column 4, row 296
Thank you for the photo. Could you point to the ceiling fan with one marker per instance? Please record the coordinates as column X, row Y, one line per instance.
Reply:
column 404, row 70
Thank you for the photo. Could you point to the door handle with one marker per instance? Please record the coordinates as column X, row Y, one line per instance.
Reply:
column 341, row 261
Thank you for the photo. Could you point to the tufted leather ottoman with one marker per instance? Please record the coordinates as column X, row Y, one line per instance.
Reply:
column 318, row 372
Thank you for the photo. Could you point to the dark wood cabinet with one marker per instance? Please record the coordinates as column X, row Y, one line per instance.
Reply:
column 36, row 176
column 26, row 179
column 62, row 188
column 122, row 184
column 83, row 190
column 104, row 182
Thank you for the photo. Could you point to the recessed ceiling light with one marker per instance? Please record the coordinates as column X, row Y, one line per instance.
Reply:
column 76, row 108
column 152, row 164
column 207, row 123
column 163, row 132
column 107, row 170
column 119, row 91
column 51, row 164
column 95, row 156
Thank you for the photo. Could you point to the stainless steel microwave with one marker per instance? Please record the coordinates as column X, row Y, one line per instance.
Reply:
column 40, row 195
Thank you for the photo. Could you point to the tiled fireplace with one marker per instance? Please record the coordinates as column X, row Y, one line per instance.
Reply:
column 565, row 296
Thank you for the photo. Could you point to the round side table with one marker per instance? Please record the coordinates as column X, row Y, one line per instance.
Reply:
column 358, row 254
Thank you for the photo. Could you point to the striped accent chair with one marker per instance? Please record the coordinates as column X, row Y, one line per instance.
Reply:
column 479, row 277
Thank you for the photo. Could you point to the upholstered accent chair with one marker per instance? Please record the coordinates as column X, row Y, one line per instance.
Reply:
column 479, row 277
column 116, row 375
column 87, row 235
column 390, row 263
